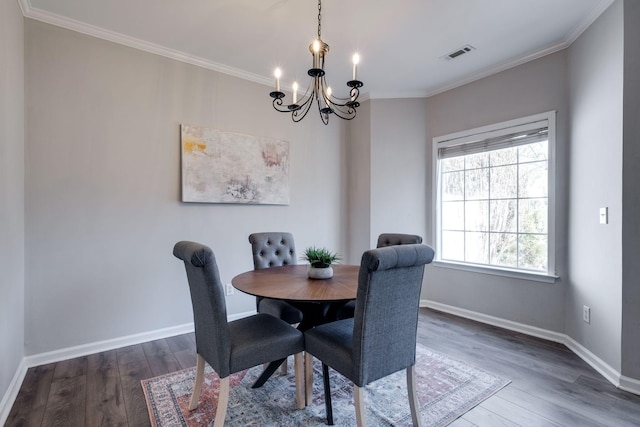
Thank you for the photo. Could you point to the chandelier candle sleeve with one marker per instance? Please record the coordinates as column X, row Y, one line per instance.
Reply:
column 278, row 73
column 356, row 59
column 295, row 92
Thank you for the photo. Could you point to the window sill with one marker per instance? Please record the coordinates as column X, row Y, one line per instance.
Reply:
column 523, row 275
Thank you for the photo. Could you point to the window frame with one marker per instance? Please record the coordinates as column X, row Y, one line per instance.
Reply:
column 483, row 133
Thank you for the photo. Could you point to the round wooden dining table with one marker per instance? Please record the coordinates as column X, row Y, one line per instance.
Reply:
column 316, row 298
column 291, row 283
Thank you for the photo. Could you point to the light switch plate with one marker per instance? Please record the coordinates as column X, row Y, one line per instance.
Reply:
column 604, row 215
column 586, row 314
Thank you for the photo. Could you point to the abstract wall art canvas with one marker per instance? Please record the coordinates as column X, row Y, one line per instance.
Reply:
column 227, row 167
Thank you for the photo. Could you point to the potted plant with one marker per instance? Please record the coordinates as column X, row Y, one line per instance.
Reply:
column 320, row 260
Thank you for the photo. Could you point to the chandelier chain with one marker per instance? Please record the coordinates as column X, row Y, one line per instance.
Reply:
column 319, row 16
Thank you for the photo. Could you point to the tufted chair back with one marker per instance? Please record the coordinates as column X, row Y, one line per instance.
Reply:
column 384, row 240
column 394, row 239
column 272, row 249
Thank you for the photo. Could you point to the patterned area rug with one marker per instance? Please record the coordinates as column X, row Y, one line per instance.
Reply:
column 446, row 389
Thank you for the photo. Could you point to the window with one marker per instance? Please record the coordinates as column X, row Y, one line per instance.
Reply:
column 494, row 197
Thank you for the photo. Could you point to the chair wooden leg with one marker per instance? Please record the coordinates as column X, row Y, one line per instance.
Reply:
column 197, row 386
column 308, row 377
column 223, row 402
column 283, row 367
column 298, row 363
column 327, row 394
column 358, row 395
column 413, row 398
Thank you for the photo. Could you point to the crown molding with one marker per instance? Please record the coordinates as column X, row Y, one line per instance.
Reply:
column 25, row 6
column 112, row 36
column 40, row 15
column 572, row 37
column 469, row 78
column 499, row 68
column 399, row 95
column 595, row 13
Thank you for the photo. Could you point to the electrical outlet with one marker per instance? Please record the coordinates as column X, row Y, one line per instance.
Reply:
column 228, row 289
column 586, row 314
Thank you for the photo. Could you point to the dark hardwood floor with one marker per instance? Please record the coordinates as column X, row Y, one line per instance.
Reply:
column 550, row 385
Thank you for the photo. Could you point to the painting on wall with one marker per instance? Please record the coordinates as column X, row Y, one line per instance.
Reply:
column 227, row 167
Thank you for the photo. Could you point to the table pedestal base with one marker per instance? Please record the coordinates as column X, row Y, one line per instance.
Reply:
column 313, row 314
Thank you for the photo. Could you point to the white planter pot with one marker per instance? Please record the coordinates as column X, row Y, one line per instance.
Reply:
column 320, row 273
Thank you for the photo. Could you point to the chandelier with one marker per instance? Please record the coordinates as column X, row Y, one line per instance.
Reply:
column 318, row 90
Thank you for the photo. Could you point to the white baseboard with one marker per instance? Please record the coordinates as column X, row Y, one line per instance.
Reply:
column 612, row 375
column 629, row 384
column 86, row 349
column 496, row 321
column 99, row 346
column 12, row 392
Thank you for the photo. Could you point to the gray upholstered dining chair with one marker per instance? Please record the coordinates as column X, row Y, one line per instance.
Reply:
column 384, row 240
column 381, row 338
column 274, row 249
column 230, row 347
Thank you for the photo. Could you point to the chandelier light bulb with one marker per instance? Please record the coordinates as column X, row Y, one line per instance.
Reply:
column 356, row 60
column 329, row 92
column 277, row 73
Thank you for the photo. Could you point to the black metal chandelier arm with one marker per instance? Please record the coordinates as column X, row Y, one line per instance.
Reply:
column 335, row 100
column 354, row 93
column 324, row 112
column 343, row 102
column 345, row 113
column 277, row 102
column 302, row 110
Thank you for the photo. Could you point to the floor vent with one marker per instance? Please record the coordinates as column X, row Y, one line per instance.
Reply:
column 459, row 52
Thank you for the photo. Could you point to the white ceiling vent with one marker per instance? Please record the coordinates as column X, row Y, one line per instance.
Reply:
column 459, row 52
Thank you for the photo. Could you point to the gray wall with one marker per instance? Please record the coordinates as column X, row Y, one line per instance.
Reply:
column 595, row 270
column 359, row 183
column 528, row 89
column 103, row 186
column 631, row 193
column 399, row 155
column 387, row 172
column 11, row 192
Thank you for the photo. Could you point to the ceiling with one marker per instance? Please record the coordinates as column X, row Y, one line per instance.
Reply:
column 401, row 42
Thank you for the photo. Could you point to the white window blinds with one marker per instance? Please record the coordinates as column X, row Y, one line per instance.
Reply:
column 520, row 135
